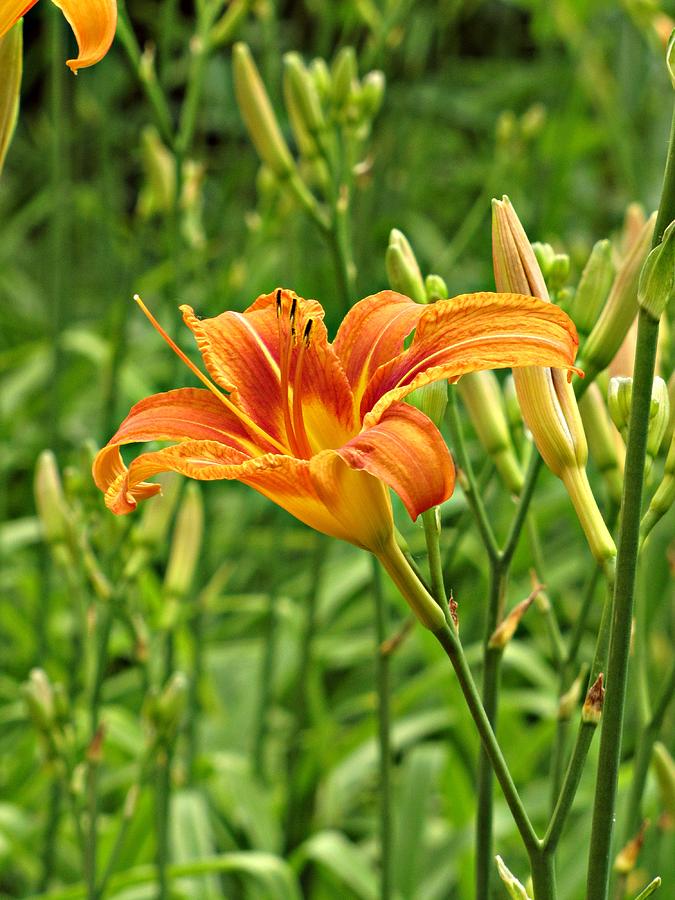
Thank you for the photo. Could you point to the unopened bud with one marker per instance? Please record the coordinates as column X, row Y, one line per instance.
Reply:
column 372, row 93
column 482, row 397
column 343, row 76
column 435, row 288
column 186, row 544
column 605, row 444
column 52, row 509
column 545, row 255
column 664, row 770
column 403, row 270
column 591, row 712
column 656, row 287
column 300, row 87
column 664, row 496
column 432, row 400
column 171, row 704
column 507, row 627
column 621, row 306
column 150, row 533
column 95, row 748
column 627, row 857
column 225, row 27
column 513, row 887
column 570, row 699
column 659, row 416
column 670, row 57
column 506, row 128
column 533, row 120
column 593, row 288
column 322, row 78
column 159, row 165
column 619, row 401
column 11, row 65
column 257, row 112
column 633, row 222
column 555, row 267
column 39, row 698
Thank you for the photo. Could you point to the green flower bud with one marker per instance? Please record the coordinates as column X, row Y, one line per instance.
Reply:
column 604, row 443
column 53, row 511
column 619, row 401
column 664, row 496
column 436, row 288
column 627, row 857
column 432, row 400
column 322, row 78
column 372, row 94
column 593, row 289
column 301, row 88
column 186, row 544
column 659, row 415
column 159, row 167
column 170, row 705
column 150, row 533
column 344, row 72
column 657, row 279
column 570, row 699
column 483, row 399
column 39, row 698
column 11, row 66
column 545, row 255
column 670, row 58
column 507, row 627
column 229, row 22
column 533, row 120
column 506, row 128
column 257, row 112
column 403, row 270
column 664, row 769
column 620, row 309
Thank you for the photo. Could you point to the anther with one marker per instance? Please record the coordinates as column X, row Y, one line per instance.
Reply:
column 307, row 332
column 278, row 302
column 294, row 306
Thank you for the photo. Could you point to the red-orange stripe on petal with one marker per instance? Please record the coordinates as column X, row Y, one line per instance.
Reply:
column 93, row 23
column 372, row 333
column 406, row 451
column 470, row 332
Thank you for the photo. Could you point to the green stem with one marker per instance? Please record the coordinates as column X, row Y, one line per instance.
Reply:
column 569, row 786
column 524, row 502
column 162, row 806
column 543, row 876
column 383, row 734
column 432, row 536
column 617, row 670
column 51, row 829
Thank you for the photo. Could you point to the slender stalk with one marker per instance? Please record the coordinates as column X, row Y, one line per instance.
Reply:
column 51, row 829
column 543, row 876
column 162, row 806
column 524, row 502
column 383, row 734
column 569, row 786
column 431, row 533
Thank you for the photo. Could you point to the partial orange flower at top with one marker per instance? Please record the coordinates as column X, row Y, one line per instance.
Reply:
column 321, row 428
column 93, row 23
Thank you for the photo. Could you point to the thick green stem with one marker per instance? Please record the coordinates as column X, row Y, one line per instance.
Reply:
column 543, row 876
column 617, row 670
column 383, row 735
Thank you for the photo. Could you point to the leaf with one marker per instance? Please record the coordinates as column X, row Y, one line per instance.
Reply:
column 344, row 860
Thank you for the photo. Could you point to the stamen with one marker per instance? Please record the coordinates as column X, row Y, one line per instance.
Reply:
column 294, row 305
column 243, row 418
column 298, row 421
column 278, row 303
column 285, row 349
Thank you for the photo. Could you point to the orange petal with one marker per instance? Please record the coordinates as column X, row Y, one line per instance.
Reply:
column 405, row 450
column 94, row 23
column 372, row 333
column 242, row 352
column 470, row 332
column 11, row 11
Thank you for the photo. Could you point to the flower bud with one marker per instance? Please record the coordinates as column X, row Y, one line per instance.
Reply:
column 546, row 397
column 664, row 496
column 39, row 698
column 432, row 400
column 619, row 401
column 150, row 533
column 482, row 397
column 53, row 512
column 657, row 278
column 627, row 857
column 593, row 288
column 664, row 769
column 591, row 712
column 257, row 112
column 322, row 78
column 300, row 87
column 604, row 442
column 159, row 166
column 659, row 415
column 633, row 223
column 344, row 73
column 11, row 65
column 545, row 255
column 170, row 705
column 620, row 308
column 507, row 627
column 225, row 27
column 670, row 57
column 514, row 888
column 403, row 270
column 436, row 288
column 186, row 544
column 372, row 93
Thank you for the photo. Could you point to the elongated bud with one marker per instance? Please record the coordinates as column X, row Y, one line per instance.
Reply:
column 483, row 399
column 435, row 288
column 513, row 887
column 150, row 533
column 621, row 307
column 432, row 400
column 657, row 279
column 627, row 857
column 171, row 704
column 322, row 78
column 344, row 73
column 664, row 769
column 593, row 288
column 555, row 267
column 670, row 57
column 633, row 222
column 186, row 544
column 570, row 699
column 664, row 496
column 257, row 112
column 224, row 29
column 39, row 698
column 372, row 93
column 157, row 194
column 403, row 270
column 52, row 508
column 619, row 401
column 305, row 96
column 306, row 144
column 604, row 442
column 507, row 627
column 591, row 712
column 546, row 397
column 11, row 66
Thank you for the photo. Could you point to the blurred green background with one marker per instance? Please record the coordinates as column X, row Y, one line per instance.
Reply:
column 564, row 106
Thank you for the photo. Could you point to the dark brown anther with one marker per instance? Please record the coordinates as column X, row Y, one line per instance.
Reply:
column 307, row 332
column 278, row 302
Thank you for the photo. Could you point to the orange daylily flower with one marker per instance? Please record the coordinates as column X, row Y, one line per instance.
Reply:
column 321, row 428
column 93, row 23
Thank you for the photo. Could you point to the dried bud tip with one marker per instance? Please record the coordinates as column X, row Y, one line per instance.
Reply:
column 627, row 857
column 595, row 698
